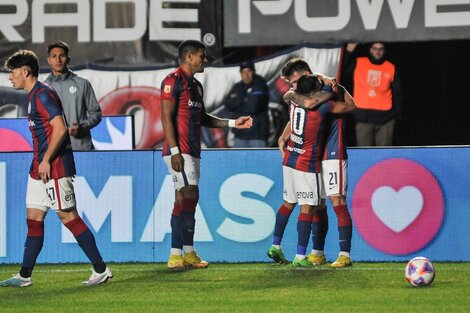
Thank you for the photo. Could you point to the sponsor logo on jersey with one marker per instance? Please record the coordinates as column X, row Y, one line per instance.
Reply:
column 298, row 150
column 31, row 123
column 167, row 89
column 72, row 89
column 194, row 104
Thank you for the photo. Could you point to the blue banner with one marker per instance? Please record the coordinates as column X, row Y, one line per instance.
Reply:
column 404, row 202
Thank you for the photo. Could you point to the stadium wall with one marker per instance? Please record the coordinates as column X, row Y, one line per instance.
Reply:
column 404, row 202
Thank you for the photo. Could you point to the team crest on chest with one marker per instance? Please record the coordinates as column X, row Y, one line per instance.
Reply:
column 167, row 89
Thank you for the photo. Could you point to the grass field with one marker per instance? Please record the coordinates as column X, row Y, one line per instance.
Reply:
column 260, row 287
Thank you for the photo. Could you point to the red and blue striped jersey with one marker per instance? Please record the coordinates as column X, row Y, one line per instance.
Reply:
column 186, row 93
column 305, row 146
column 335, row 147
column 44, row 105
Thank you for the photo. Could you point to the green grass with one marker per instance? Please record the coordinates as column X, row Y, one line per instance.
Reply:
column 261, row 287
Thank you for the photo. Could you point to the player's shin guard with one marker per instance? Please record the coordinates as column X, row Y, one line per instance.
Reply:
column 32, row 246
column 319, row 228
column 282, row 217
column 188, row 210
column 304, row 225
column 344, row 227
column 176, row 228
column 86, row 241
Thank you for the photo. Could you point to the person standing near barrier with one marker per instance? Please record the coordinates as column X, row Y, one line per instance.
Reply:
column 183, row 114
column 50, row 181
column 378, row 93
column 81, row 109
column 250, row 96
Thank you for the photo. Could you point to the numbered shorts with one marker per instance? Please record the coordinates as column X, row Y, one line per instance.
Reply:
column 56, row 194
column 189, row 176
column 335, row 178
column 302, row 187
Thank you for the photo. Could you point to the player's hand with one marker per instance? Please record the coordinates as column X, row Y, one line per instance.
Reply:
column 44, row 170
column 351, row 46
column 244, row 122
column 177, row 162
column 75, row 130
column 331, row 81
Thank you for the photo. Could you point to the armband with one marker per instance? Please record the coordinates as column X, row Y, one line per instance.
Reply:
column 174, row 150
column 231, row 123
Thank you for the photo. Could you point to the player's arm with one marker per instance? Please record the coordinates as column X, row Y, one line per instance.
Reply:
column 330, row 81
column 308, row 102
column 212, row 121
column 283, row 139
column 59, row 132
column 345, row 103
column 169, row 128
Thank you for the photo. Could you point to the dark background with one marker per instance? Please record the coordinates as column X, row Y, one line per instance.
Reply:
column 435, row 87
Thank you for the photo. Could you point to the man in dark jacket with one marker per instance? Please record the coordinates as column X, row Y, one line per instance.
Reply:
column 250, row 96
column 377, row 92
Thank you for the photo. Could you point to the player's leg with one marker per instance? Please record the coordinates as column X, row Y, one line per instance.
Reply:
column 308, row 187
column 188, row 197
column 37, row 202
column 282, row 218
column 319, row 231
column 304, row 227
column 183, row 216
column 63, row 202
column 344, row 230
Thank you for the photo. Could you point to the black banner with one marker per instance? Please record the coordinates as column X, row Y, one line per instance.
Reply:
column 134, row 32
column 287, row 22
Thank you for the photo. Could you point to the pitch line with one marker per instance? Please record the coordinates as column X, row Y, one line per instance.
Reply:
column 244, row 269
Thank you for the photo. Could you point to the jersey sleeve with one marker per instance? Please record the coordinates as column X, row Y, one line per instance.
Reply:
column 170, row 89
column 49, row 105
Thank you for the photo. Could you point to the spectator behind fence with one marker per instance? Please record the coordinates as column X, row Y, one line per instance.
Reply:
column 250, row 96
column 81, row 109
column 377, row 92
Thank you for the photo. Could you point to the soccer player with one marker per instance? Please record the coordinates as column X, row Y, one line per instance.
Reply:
column 291, row 71
column 301, row 163
column 50, row 178
column 183, row 114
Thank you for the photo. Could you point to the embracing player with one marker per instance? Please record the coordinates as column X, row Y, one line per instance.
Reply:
column 302, row 155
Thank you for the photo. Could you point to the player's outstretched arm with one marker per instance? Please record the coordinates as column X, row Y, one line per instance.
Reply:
column 212, row 121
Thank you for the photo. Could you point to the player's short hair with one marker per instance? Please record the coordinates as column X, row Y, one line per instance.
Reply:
column 23, row 58
column 58, row 44
column 307, row 84
column 295, row 65
column 189, row 46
